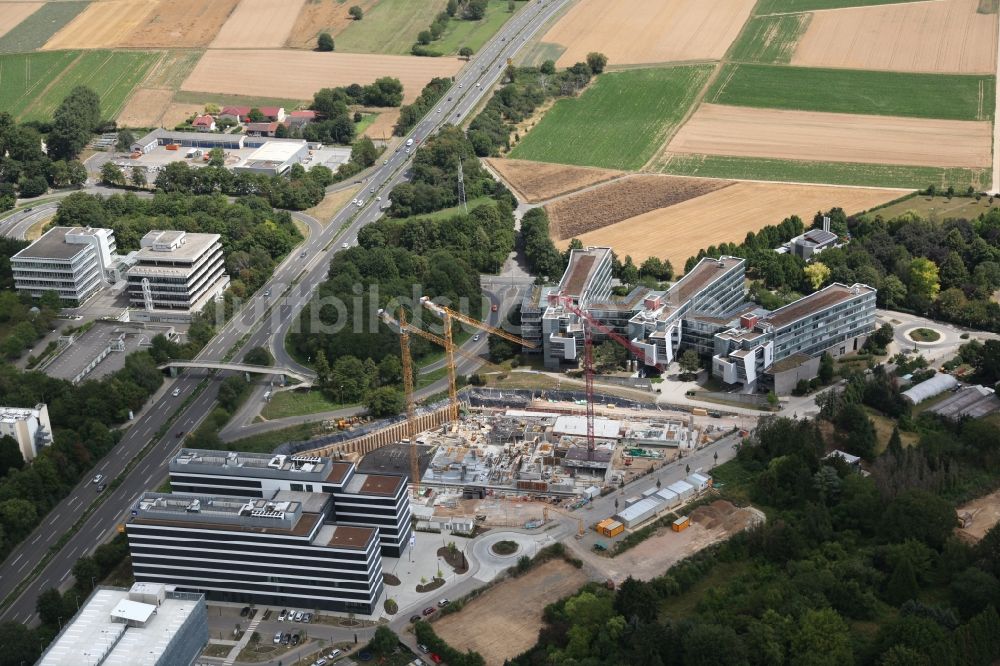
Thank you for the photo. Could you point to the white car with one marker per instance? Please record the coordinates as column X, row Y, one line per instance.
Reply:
column 333, row 654
column 384, row 162
column 372, row 190
column 459, row 85
column 478, row 85
column 98, row 478
column 277, row 638
column 439, row 109
column 354, row 201
column 344, row 245
column 378, row 198
column 360, row 203
column 475, row 338
column 176, row 392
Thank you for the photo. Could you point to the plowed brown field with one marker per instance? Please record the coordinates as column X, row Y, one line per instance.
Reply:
column 12, row 13
column 322, row 16
column 539, row 181
column 588, row 211
column 145, row 108
column 679, row 231
column 102, row 25
column 946, row 36
column 261, row 24
column 298, row 74
column 834, row 137
column 643, row 31
column 181, row 23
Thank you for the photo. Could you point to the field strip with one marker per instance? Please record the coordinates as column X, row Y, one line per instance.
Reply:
column 995, row 185
column 41, row 96
column 840, row 9
column 13, row 13
column 692, row 108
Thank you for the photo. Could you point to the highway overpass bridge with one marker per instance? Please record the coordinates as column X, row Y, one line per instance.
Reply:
column 303, row 378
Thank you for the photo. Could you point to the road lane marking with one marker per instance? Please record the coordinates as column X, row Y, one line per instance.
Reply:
column 17, row 558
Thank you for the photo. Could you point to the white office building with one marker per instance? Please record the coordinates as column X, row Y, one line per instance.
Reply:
column 30, row 426
column 175, row 274
column 75, row 262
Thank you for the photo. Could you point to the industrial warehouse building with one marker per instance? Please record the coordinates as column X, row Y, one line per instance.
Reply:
column 654, row 501
column 272, row 156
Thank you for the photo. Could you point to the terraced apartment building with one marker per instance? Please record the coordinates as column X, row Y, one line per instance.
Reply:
column 707, row 311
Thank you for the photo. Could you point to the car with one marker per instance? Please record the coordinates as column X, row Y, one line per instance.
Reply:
column 298, row 616
column 449, row 99
column 360, row 203
column 295, row 639
column 443, row 602
column 372, row 190
column 302, row 254
column 493, row 308
column 179, row 434
column 354, row 201
column 423, row 648
column 378, row 198
column 429, row 610
column 267, row 293
column 478, row 85
column 98, row 478
column 282, row 615
column 307, row 618
column 28, row 209
column 101, row 487
column 176, row 392
column 459, row 85
column 407, row 151
column 475, row 338
column 286, row 639
column 333, row 654
column 414, row 618
column 277, row 638
column 439, row 109
column 435, row 658
column 244, row 611
column 384, row 162
column 319, row 662
column 345, row 245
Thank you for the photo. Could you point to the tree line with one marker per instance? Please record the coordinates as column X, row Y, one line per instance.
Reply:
column 469, row 10
column 410, row 114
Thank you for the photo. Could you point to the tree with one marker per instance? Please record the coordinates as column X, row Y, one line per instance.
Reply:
column 711, row 644
column 356, row 13
column 384, row 401
column 50, row 606
column 255, row 116
column 384, row 641
column 609, row 356
column 125, row 141
column 73, row 122
column 902, row 585
column 660, row 269
column 924, row 282
column 139, row 176
column 895, row 445
column 76, row 173
column 258, row 356
column 817, row 273
column 475, row 10
column 86, row 572
column 918, row 514
column 324, row 42
column 231, row 392
column 20, row 645
column 690, row 362
column 452, row 7
column 772, row 400
column 111, row 174
column 548, row 67
column 10, row 455
column 823, row 639
column 597, row 62
column 465, row 52
column 217, row 156
column 636, row 599
column 424, row 37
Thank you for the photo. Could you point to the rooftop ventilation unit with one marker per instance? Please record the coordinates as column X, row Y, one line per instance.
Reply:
column 264, row 513
column 194, row 506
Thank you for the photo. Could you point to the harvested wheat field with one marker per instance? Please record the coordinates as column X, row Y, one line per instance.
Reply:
column 102, row 25
column 322, row 16
column 382, row 126
column 259, row 24
column 984, row 513
column 12, row 13
column 539, row 181
column 725, row 216
column 512, row 612
column 145, row 108
column 646, row 31
column 945, row 36
column 181, row 23
column 298, row 74
column 715, row 129
column 623, row 199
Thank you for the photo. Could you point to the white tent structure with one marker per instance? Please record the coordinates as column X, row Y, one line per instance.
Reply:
column 936, row 385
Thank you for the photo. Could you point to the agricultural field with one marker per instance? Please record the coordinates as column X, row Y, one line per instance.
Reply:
column 261, row 24
column 782, row 6
column 837, row 137
column 12, row 13
column 725, row 215
column 938, row 208
column 617, row 123
column 951, row 97
column 814, row 171
column 473, row 33
column 391, row 27
column 770, row 39
column 649, row 31
column 946, row 36
column 23, row 76
column 382, row 125
column 102, row 25
column 624, row 199
column 181, row 24
column 535, row 182
column 323, row 16
column 146, row 107
column 32, row 33
column 153, row 104
column 534, row 54
column 512, row 610
column 299, row 74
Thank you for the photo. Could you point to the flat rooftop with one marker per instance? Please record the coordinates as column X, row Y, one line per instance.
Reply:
column 261, row 465
column 356, row 538
column 827, row 297
column 91, row 633
column 707, row 271
column 276, row 151
column 75, row 358
column 579, row 273
column 192, row 246
column 232, row 514
column 380, row 484
column 53, row 245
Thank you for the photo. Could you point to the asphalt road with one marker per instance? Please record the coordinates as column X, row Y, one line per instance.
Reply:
column 264, row 320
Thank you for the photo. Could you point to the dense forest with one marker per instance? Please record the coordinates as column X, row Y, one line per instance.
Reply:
column 847, row 569
column 397, row 260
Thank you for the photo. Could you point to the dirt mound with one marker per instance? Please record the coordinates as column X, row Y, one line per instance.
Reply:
column 538, row 181
column 621, row 200
column 710, row 516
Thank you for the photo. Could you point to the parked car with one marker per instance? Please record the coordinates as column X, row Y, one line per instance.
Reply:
column 277, row 638
column 435, row 658
column 307, row 618
column 302, row 254
column 333, row 654
column 475, row 338
column 429, row 610
column 286, row 639
column 267, row 293
column 319, row 662
column 414, row 618
column 298, row 616
column 295, row 639
column 101, row 487
column 423, row 648
column 245, row 611
column 345, row 245
column 282, row 615
column 443, row 603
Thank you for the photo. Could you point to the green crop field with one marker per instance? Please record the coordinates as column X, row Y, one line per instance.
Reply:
column 113, row 75
column 34, row 31
column 782, row 6
column 390, row 27
column 946, row 96
column 770, row 39
column 832, row 173
column 23, row 76
column 473, row 33
column 536, row 54
column 619, row 122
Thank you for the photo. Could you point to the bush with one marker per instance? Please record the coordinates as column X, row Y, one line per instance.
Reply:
column 324, row 42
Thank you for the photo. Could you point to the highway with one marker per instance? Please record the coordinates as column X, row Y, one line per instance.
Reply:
column 263, row 321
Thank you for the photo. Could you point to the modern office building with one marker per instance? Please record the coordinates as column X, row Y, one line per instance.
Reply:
column 175, row 274
column 29, row 426
column 147, row 625
column 72, row 261
column 784, row 346
column 361, row 500
column 278, row 551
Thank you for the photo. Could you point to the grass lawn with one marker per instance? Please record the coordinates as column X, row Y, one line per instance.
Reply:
column 938, row 207
column 776, row 6
column 265, row 442
column 536, row 54
column 32, row 33
column 472, row 33
column 925, row 335
column 832, row 173
column 366, row 120
column 769, row 39
column 945, row 96
column 445, row 213
column 297, row 403
column 391, row 26
column 190, row 97
column 618, row 123
column 883, row 431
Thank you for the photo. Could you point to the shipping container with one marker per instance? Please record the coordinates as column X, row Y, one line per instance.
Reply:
column 613, row 529
column 602, row 525
column 682, row 523
column 698, row 411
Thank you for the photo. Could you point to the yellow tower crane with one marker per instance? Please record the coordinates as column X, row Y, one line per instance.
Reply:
column 447, row 314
